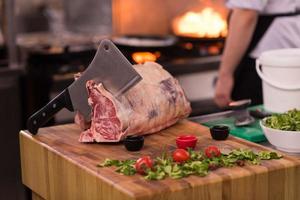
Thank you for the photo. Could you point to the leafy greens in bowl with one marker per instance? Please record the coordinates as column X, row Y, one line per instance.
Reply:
column 288, row 121
column 283, row 130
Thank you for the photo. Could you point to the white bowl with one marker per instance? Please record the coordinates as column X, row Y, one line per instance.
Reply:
column 288, row 141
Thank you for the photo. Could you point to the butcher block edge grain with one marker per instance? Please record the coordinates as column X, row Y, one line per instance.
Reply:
column 56, row 166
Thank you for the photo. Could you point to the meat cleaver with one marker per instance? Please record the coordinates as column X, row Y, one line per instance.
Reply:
column 109, row 66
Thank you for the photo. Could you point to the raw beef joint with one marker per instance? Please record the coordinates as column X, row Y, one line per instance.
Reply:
column 155, row 103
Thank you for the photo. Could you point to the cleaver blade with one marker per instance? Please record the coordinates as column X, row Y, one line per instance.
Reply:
column 109, row 66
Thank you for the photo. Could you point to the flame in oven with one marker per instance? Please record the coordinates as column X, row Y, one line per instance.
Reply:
column 142, row 57
column 205, row 24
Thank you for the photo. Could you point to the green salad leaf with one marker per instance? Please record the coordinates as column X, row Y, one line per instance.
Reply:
column 125, row 167
column 198, row 164
column 288, row 121
column 108, row 162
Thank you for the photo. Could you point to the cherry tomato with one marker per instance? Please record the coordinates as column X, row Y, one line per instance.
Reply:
column 181, row 155
column 143, row 164
column 212, row 151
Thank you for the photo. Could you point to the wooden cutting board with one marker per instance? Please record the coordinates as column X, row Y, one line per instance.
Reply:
column 56, row 166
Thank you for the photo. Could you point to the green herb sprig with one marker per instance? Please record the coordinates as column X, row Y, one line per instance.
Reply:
column 198, row 164
column 125, row 167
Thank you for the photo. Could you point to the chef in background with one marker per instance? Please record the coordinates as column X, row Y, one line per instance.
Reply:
column 255, row 26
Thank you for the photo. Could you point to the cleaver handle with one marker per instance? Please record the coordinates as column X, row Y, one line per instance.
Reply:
column 42, row 116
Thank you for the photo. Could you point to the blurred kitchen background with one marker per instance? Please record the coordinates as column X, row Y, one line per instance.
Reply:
column 43, row 43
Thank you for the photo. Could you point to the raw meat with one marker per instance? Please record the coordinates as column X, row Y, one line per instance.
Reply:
column 155, row 103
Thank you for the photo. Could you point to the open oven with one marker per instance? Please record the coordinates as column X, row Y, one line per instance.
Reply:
column 186, row 37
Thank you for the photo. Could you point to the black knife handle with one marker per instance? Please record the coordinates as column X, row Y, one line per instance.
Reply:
column 42, row 116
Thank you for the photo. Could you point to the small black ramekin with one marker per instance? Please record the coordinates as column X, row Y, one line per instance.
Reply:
column 134, row 142
column 219, row 132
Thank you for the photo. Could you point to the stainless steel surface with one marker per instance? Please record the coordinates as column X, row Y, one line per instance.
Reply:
column 213, row 117
column 179, row 66
column 109, row 67
column 88, row 16
column 145, row 41
column 238, row 110
column 241, row 115
column 243, row 118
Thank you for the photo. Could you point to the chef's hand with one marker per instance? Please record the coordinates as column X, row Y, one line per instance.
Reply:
column 241, row 28
column 223, row 90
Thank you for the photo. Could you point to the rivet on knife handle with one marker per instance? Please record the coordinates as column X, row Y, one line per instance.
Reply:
column 42, row 116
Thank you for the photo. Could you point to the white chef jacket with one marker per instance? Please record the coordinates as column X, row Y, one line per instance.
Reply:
column 284, row 32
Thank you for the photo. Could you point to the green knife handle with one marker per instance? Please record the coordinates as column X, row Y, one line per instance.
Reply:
column 42, row 116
